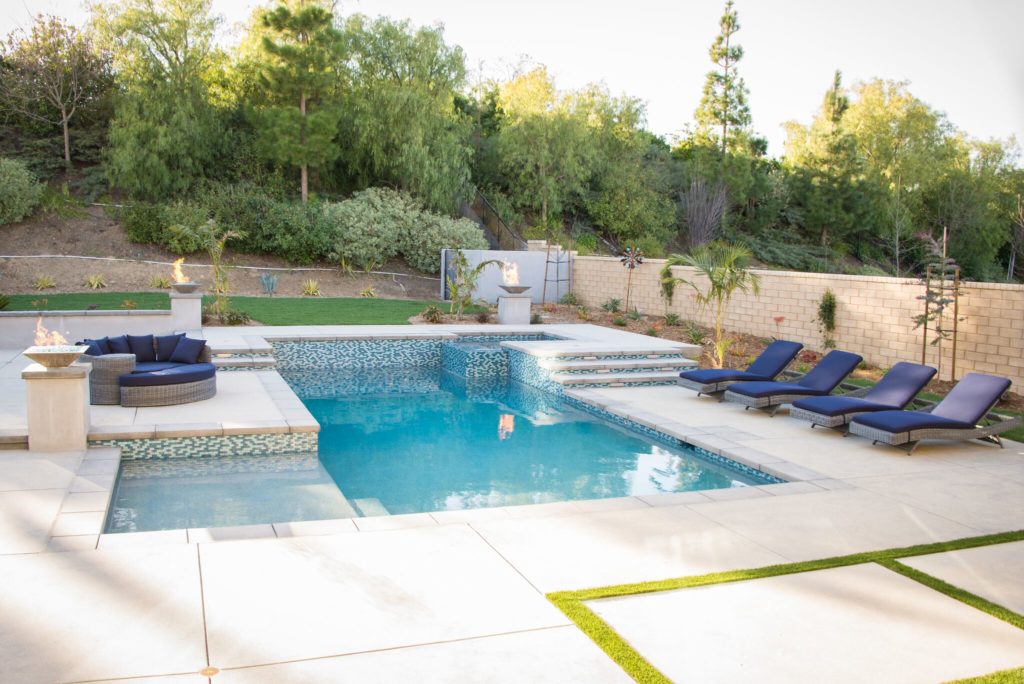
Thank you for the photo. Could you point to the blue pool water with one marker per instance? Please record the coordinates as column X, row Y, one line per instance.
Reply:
column 407, row 442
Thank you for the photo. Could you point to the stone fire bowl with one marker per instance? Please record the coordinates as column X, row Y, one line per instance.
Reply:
column 55, row 356
column 186, row 287
column 515, row 289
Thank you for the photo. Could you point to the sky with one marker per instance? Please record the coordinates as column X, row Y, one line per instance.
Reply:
column 962, row 58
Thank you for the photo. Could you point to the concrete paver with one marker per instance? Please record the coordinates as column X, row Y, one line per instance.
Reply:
column 853, row 624
column 991, row 572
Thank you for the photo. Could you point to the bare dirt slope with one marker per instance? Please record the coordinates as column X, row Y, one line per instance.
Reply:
column 99, row 235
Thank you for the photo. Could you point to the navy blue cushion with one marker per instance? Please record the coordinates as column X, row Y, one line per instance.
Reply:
column 839, row 406
column 100, row 346
column 187, row 350
column 830, row 371
column 119, row 345
column 142, row 347
column 148, row 366
column 94, row 347
column 900, row 384
column 165, row 345
column 972, row 397
column 774, row 359
column 707, row 376
column 905, row 421
column 169, row 376
column 768, row 388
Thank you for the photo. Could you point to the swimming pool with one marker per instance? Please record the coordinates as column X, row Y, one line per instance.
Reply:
column 418, row 438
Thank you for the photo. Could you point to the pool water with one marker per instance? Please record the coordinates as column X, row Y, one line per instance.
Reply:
column 410, row 442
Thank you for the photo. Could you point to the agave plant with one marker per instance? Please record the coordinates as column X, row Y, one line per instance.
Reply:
column 631, row 258
column 722, row 265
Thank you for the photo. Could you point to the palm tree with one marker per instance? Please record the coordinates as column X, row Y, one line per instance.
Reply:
column 723, row 265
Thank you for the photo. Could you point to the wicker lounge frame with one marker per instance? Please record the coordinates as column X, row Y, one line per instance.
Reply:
column 842, row 421
column 718, row 389
column 104, row 388
column 987, row 431
column 773, row 402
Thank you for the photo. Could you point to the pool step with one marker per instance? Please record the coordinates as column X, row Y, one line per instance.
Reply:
column 369, row 508
column 245, row 361
column 612, row 379
column 609, row 365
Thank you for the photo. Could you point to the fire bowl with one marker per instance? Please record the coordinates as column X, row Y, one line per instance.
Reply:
column 187, row 287
column 515, row 289
column 55, row 355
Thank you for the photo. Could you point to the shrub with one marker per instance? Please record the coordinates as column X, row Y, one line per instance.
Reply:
column 129, row 304
column 422, row 245
column 671, row 319
column 651, row 247
column 368, row 292
column 244, row 207
column 619, row 321
column 535, row 319
column 95, row 282
column 303, row 235
column 5, row 301
column 432, row 314
column 612, row 305
column 181, row 223
column 694, row 333
column 827, row 318
column 311, row 288
column 570, row 299
column 44, row 282
column 483, row 317
column 586, row 243
column 144, row 222
column 160, row 282
column 652, row 332
column 583, row 313
column 634, row 314
column 367, row 228
column 235, row 317
column 40, row 304
column 20, row 192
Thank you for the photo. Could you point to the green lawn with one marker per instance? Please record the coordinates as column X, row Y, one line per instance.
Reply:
column 266, row 310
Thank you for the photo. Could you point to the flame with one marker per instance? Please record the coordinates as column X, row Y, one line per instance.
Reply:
column 45, row 338
column 510, row 273
column 178, row 276
column 506, row 425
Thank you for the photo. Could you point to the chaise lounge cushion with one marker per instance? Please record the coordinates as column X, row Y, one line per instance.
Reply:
column 142, row 347
column 165, row 345
column 150, row 366
column 839, row 405
column 119, row 345
column 906, row 421
column 769, row 388
column 177, row 375
column 188, row 350
column 709, row 376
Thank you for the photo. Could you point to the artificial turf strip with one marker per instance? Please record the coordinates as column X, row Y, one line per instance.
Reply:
column 1014, row 676
column 619, row 650
column 80, row 301
column 953, row 591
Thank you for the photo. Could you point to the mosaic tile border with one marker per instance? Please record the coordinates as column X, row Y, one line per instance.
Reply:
column 213, row 445
column 672, row 441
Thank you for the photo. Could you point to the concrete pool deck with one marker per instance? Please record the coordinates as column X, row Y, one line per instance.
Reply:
column 459, row 596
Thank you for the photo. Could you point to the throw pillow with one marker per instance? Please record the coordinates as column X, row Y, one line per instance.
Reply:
column 165, row 345
column 142, row 347
column 119, row 345
column 188, row 350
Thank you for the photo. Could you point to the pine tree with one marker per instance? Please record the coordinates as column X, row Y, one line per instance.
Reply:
column 300, row 48
column 724, row 102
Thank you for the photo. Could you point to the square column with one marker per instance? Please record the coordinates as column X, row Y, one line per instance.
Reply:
column 186, row 311
column 58, row 407
column 514, row 309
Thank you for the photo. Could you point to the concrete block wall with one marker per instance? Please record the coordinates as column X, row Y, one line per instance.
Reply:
column 874, row 317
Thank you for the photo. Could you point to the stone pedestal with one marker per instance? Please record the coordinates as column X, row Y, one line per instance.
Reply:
column 186, row 311
column 514, row 309
column 58, row 407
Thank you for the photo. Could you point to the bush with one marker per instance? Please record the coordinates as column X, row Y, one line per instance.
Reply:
column 144, row 222
column 367, row 228
column 421, row 247
column 432, row 314
column 651, row 247
column 246, row 208
column 612, row 305
column 586, row 243
column 180, row 218
column 570, row 299
column 20, row 192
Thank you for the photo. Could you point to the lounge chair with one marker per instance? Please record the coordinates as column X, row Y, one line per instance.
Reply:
column 714, row 381
column 893, row 392
column 963, row 414
column 819, row 382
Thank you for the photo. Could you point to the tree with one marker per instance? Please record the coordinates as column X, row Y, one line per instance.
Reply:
column 544, row 150
column 722, row 265
column 300, row 49
column 165, row 135
column 724, row 100
column 51, row 74
column 401, row 126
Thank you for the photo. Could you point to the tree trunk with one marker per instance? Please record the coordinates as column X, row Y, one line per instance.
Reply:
column 67, row 139
column 302, row 143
